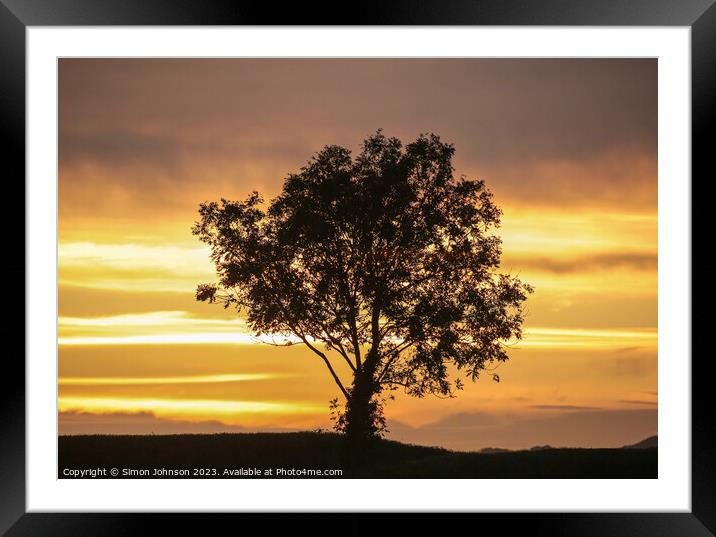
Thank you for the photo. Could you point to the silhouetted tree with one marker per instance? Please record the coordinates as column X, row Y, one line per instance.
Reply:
column 385, row 262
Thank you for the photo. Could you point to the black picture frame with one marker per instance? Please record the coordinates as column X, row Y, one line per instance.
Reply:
column 17, row 15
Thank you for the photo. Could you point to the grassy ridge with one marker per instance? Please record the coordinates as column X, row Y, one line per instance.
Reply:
column 384, row 458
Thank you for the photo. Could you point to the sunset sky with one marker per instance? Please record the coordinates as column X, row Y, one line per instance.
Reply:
column 568, row 147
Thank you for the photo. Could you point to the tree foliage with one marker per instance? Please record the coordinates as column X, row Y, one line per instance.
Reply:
column 385, row 261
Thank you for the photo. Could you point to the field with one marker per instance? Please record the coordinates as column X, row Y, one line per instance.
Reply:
column 305, row 454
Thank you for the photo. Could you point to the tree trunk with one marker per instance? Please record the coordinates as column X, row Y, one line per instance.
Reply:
column 361, row 409
column 361, row 412
column 359, row 417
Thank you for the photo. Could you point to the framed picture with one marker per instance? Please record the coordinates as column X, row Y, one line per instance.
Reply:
column 427, row 259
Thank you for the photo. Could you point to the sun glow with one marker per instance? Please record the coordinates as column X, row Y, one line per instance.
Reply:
column 180, row 327
column 193, row 379
column 563, row 338
column 200, row 408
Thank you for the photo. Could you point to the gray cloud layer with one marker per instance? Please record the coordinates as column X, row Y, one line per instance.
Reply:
column 507, row 117
column 636, row 261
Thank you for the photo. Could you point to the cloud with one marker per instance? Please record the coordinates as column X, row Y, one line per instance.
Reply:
column 602, row 261
column 159, row 267
column 179, row 327
column 129, row 146
column 154, row 318
column 624, row 178
column 564, row 407
column 626, row 366
column 540, row 130
column 136, row 423
column 82, row 301
column 76, row 422
column 505, row 107
column 188, row 379
column 638, row 402
column 149, row 327
column 172, row 259
column 161, row 327
column 118, row 147
column 594, row 307
column 186, row 408
column 586, row 338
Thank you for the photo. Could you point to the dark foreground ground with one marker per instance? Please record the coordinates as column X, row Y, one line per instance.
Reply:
column 304, row 455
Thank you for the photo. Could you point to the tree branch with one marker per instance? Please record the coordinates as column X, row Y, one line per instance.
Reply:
column 336, row 344
column 395, row 353
column 328, row 365
column 325, row 359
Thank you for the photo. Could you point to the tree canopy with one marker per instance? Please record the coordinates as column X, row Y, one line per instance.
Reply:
column 385, row 261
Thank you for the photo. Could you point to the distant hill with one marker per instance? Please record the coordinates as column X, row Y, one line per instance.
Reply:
column 647, row 443
column 494, row 450
column 541, row 448
column 303, row 454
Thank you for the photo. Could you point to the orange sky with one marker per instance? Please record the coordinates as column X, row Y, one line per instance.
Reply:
column 567, row 146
